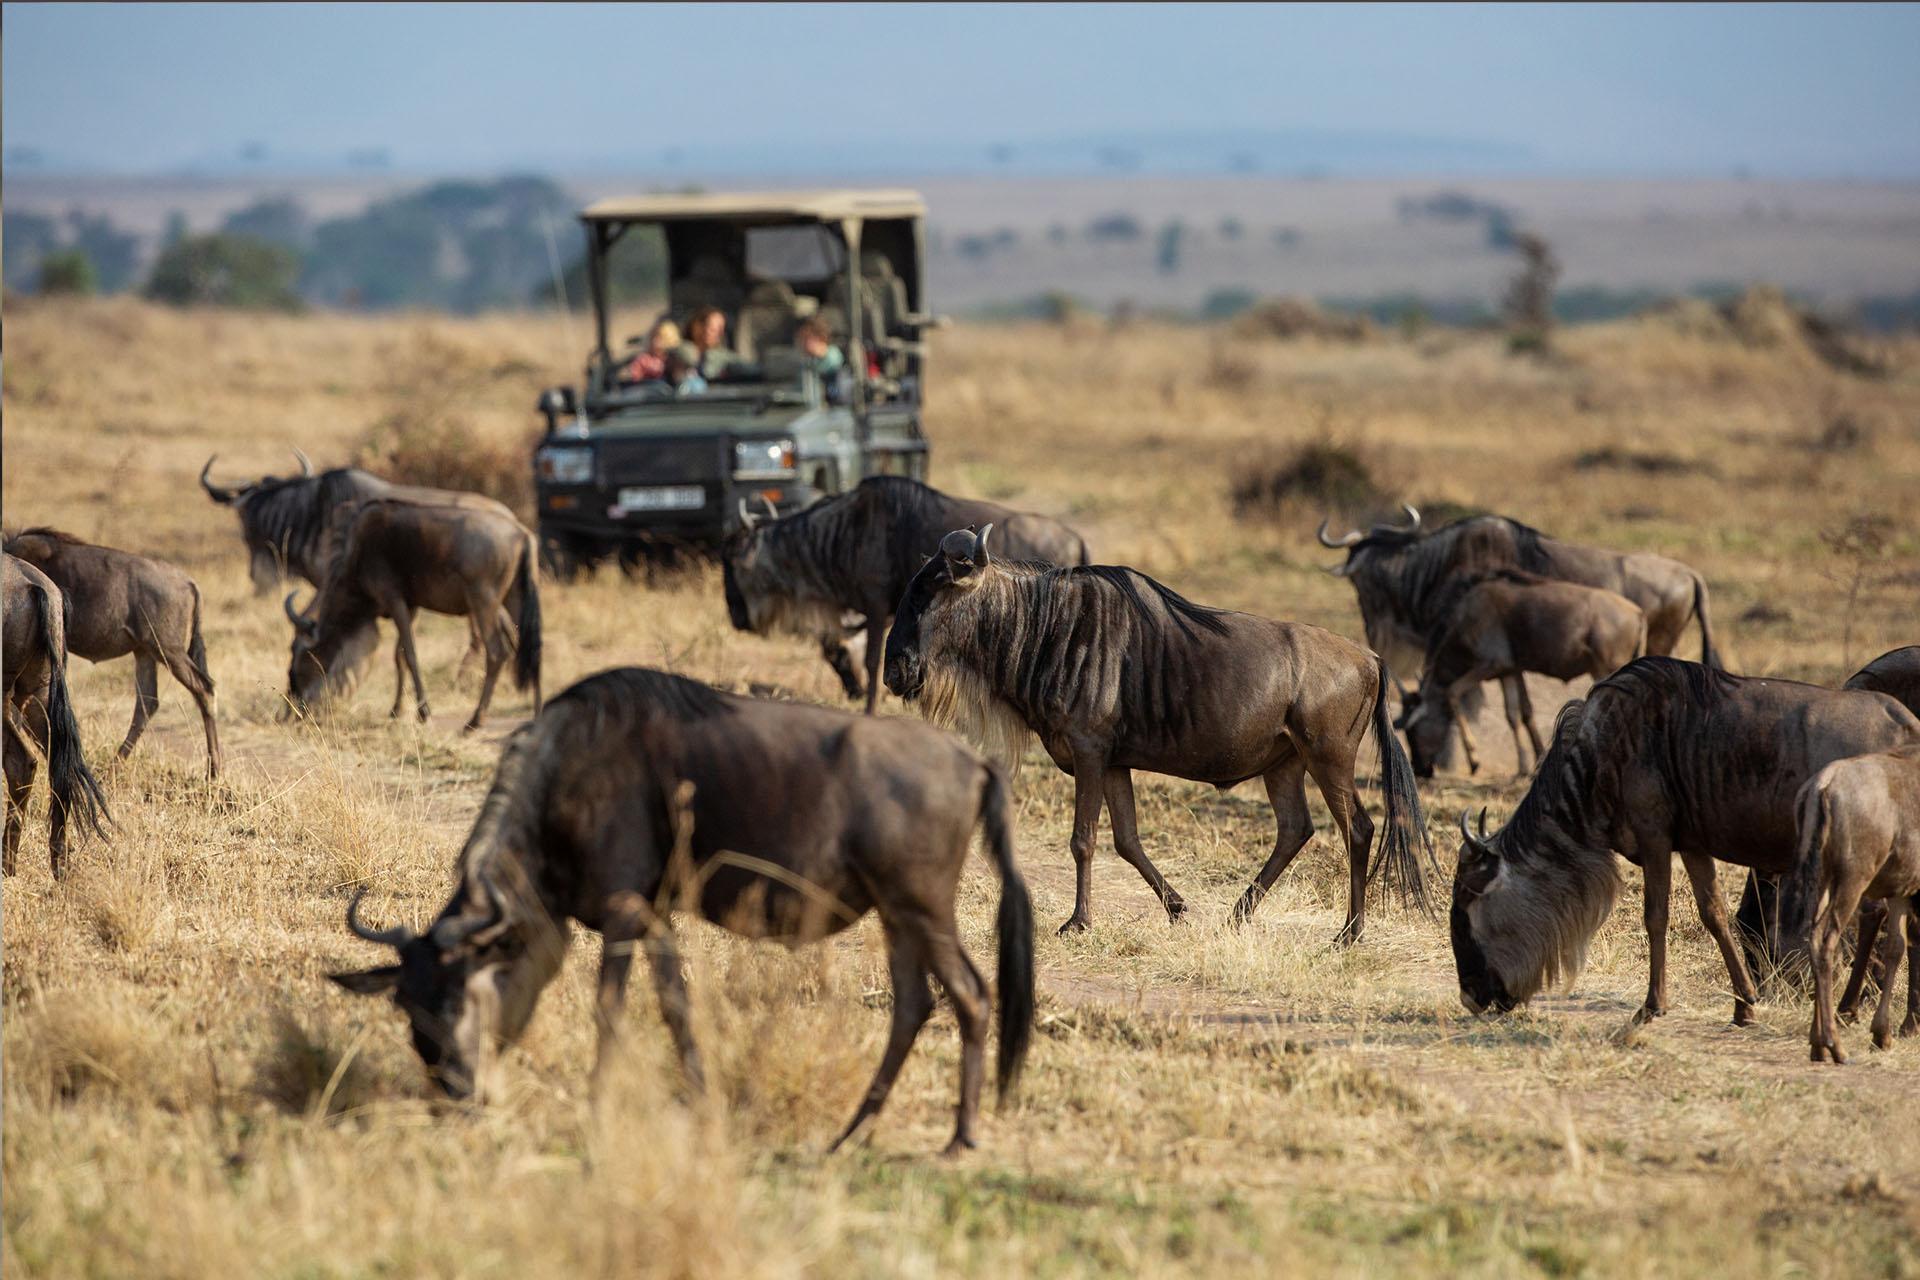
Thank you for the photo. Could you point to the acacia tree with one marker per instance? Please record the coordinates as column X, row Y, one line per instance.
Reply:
column 1529, row 301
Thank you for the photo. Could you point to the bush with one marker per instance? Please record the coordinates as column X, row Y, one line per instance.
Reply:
column 68, row 271
column 1322, row 475
column 226, row 271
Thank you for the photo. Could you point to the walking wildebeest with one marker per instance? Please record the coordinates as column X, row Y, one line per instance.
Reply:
column 1662, row 757
column 1503, row 625
column 1895, row 673
column 1403, row 579
column 855, row 553
column 1860, row 837
column 120, row 603
column 801, row 820
column 1114, row 672
column 39, row 715
column 1765, row 903
column 397, row 556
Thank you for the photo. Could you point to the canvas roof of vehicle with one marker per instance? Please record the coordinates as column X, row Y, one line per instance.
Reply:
column 748, row 206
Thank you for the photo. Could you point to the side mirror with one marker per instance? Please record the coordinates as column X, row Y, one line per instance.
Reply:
column 556, row 403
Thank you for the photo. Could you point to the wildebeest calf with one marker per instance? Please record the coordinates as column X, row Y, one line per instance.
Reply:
column 1860, row 837
column 1505, row 624
column 855, row 554
column 800, row 821
column 398, row 556
column 1114, row 672
column 124, row 603
column 39, row 715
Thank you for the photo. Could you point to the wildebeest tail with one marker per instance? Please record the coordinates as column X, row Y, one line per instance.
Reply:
column 1406, row 850
column 1015, row 928
column 526, row 664
column 1810, row 850
column 197, row 645
column 1709, row 657
column 76, row 791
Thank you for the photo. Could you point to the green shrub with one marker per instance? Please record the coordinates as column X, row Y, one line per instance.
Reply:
column 68, row 271
column 226, row 270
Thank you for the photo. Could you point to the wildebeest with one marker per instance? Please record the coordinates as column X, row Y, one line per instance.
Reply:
column 1860, row 837
column 1662, row 757
column 1504, row 624
column 397, row 556
column 1766, row 903
column 120, row 603
column 1895, row 673
column 855, row 554
column 1115, row 672
column 800, row 820
column 1403, row 578
column 39, row 715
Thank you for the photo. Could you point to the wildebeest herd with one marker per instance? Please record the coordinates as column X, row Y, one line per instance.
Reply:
column 635, row 793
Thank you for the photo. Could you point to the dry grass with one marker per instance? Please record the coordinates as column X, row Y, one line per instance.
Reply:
column 184, row 1094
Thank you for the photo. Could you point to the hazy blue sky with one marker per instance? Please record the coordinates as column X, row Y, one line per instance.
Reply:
column 1791, row 90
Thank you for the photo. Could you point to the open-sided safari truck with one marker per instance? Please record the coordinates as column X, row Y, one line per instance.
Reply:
column 636, row 469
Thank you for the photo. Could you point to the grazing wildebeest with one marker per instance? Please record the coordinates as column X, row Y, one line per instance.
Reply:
column 1662, row 757
column 1403, row 579
column 1860, row 837
column 1766, row 903
column 855, row 554
column 801, row 820
column 39, row 715
column 1502, row 625
column 1114, row 672
column 397, row 556
column 120, row 603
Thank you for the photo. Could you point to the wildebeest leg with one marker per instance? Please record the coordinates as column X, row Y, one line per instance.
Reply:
column 876, row 652
column 912, row 1003
column 203, row 698
column 619, row 934
column 1893, row 950
column 1872, row 916
column 1118, row 784
column 1657, row 865
column 146, row 698
column 499, row 649
column 1287, row 793
column 20, row 768
column 39, row 730
column 403, row 623
column 1828, row 927
column 1513, row 691
column 1332, row 772
column 1911, row 1026
column 399, row 680
column 1458, row 710
column 1086, row 825
column 967, row 990
column 1713, row 913
column 676, row 1010
column 476, row 648
column 841, row 661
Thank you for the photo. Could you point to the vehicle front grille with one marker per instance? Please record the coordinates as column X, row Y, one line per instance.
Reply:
column 655, row 461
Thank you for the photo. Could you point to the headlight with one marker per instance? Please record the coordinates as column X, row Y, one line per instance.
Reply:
column 564, row 466
column 762, row 459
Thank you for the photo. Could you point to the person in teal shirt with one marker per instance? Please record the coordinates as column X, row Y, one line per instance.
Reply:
column 816, row 344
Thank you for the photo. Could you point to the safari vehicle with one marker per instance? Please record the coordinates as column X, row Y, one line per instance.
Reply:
column 639, row 471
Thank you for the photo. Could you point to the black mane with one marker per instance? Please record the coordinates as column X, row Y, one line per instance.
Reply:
column 650, row 692
column 1185, row 613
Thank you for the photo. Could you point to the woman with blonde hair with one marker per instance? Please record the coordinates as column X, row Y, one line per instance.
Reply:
column 651, row 363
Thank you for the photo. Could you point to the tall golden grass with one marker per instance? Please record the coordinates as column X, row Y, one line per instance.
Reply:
column 184, row 1094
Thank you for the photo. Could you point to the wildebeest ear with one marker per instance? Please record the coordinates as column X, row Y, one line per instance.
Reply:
column 369, row 982
column 1477, row 871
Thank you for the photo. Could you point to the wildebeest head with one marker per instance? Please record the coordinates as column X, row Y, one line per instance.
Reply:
column 748, row 576
column 1483, row 988
column 1423, row 718
column 468, row 985
column 327, row 654
column 264, row 507
column 943, row 579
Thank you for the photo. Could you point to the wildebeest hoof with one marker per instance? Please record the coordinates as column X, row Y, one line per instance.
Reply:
column 1742, row 1014
column 1832, row 1051
column 469, row 726
column 1243, row 909
column 424, row 713
column 1848, row 1017
column 1176, row 907
column 1075, row 924
column 960, row 1145
column 1647, row 1013
column 1882, row 1040
column 1911, row 1027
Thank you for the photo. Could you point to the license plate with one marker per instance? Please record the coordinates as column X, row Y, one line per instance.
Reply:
column 668, row 497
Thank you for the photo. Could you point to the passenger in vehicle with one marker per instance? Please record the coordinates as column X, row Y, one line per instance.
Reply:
column 817, row 345
column 683, row 375
column 651, row 364
column 706, row 343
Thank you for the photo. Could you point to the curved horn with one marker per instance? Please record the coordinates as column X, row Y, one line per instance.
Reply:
column 449, row 934
column 1483, row 822
column 747, row 518
column 957, row 545
column 773, row 512
column 214, row 491
column 398, row 936
column 1466, row 829
column 1337, row 543
column 306, row 466
column 299, row 619
column 980, row 557
column 1413, row 518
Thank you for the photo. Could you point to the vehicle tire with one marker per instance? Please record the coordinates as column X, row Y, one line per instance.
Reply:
column 560, row 556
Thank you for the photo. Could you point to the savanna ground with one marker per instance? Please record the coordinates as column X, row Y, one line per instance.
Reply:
column 186, row 1095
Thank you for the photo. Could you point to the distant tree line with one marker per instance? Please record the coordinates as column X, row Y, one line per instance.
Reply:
column 453, row 246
